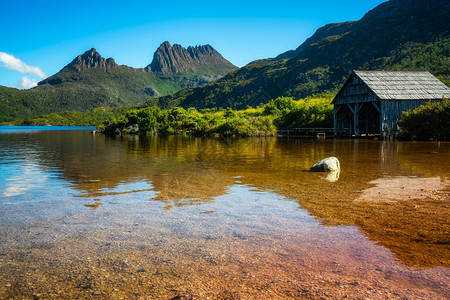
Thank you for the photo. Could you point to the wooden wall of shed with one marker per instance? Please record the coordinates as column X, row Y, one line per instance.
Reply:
column 391, row 112
column 355, row 91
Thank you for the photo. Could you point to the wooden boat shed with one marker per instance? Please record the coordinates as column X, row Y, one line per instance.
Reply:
column 371, row 102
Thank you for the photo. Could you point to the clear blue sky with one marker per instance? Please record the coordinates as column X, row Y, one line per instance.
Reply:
column 48, row 34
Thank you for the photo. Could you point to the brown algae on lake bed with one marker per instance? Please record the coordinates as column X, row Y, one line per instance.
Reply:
column 199, row 218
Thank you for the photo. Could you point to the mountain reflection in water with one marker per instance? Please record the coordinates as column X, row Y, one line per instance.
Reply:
column 180, row 171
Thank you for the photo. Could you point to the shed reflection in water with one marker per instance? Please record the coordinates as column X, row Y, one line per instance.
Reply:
column 219, row 178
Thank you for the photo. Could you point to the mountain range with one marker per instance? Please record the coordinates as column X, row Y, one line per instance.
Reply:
column 91, row 81
column 396, row 35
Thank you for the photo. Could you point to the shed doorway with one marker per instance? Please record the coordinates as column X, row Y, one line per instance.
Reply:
column 358, row 119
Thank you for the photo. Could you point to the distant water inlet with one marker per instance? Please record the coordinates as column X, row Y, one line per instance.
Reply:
column 86, row 216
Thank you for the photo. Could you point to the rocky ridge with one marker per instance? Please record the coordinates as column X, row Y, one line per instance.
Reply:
column 203, row 62
column 178, row 60
column 91, row 59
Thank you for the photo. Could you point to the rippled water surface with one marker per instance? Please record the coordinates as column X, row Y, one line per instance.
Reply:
column 88, row 216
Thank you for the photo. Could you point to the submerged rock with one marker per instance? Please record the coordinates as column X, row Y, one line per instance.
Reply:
column 329, row 164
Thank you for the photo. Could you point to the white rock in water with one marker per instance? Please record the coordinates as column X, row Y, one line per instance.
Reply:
column 328, row 164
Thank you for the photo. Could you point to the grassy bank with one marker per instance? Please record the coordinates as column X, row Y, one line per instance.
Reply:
column 283, row 112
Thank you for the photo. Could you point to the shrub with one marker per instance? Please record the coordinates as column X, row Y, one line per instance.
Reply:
column 430, row 121
column 278, row 105
column 310, row 112
column 234, row 127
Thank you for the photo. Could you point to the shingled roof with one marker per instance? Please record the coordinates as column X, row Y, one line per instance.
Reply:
column 397, row 85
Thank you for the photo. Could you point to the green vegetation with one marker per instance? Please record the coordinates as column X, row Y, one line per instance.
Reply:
column 177, row 120
column 309, row 112
column 282, row 112
column 90, row 88
column 74, row 118
column 83, row 91
column 433, row 57
column 430, row 121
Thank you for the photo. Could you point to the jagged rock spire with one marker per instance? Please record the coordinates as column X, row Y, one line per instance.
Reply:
column 177, row 59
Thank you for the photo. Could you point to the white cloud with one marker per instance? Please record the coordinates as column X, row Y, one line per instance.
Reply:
column 25, row 176
column 16, row 64
column 27, row 83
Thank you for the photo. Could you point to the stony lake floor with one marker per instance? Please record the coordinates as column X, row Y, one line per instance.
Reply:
column 102, row 255
column 94, row 218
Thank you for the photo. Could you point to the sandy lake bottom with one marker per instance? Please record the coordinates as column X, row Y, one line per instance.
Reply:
column 90, row 217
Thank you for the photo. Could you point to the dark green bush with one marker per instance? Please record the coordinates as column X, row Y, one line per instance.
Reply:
column 430, row 121
column 234, row 127
column 310, row 112
column 147, row 118
column 278, row 105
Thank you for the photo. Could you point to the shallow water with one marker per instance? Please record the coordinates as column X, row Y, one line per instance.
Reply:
column 87, row 216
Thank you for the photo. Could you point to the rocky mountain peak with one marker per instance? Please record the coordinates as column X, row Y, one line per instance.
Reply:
column 176, row 59
column 90, row 59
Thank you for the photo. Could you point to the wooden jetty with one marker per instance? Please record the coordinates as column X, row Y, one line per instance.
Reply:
column 319, row 132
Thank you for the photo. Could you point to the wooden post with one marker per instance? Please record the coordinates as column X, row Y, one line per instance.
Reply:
column 351, row 128
column 355, row 111
column 335, row 120
column 376, row 106
column 367, row 124
column 368, row 111
column 336, row 124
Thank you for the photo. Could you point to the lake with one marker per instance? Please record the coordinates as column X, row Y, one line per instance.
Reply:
column 89, row 216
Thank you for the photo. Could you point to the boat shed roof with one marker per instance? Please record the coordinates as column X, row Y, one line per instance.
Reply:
column 401, row 85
